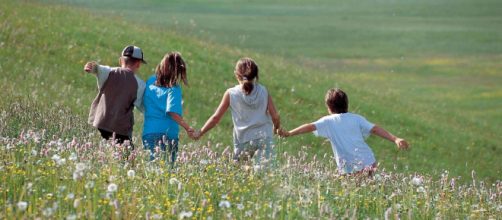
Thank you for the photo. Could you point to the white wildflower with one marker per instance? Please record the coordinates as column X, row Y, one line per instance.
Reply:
column 22, row 205
column 112, row 187
column 56, row 158
column 421, row 189
column 47, row 212
column 34, row 153
column 184, row 214
column 378, row 177
column 224, row 204
column 71, row 217
column 61, row 162
column 388, row 213
column 131, row 173
column 70, row 196
column 204, row 162
column 173, row 181
column 240, row 206
column 73, row 156
column 157, row 216
column 89, row 185
column 417, row 181
column 248, row 213
column 76, row 203
column 80, row 167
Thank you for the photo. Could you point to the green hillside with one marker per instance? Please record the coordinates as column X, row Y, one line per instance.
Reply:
column 446, row 106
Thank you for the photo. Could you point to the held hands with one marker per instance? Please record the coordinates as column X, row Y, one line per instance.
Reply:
column 282, row 133
column 193, row 134
column 401, row 144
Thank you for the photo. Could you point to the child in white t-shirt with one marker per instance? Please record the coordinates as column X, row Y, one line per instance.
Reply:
column 347, row 133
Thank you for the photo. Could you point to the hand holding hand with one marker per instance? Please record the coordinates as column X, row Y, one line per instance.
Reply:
column 282, row 132
column 90, row 67
column 401, row 144
column 193, row 134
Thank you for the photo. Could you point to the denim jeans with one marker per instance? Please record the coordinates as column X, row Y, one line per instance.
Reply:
column 261, row 150
column 151, row 141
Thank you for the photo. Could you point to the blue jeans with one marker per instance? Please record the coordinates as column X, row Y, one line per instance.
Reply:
column 151, row 141
column 258, row 149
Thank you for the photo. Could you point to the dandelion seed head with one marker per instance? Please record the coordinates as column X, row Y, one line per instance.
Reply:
column 224, row 204
column 80, row 167
column 240, row 206
column 112, row 187
column 417, row 181
column 47, row 212
column 71, row 217
column 73, row 156
column 185, row 214
column 76, row 203
column 131, row 173
column 70, row 196
column 421, row 189
column 22, row 205
column 173, row 181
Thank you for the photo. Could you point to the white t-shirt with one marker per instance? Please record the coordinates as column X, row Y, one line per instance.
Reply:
column 347, row 133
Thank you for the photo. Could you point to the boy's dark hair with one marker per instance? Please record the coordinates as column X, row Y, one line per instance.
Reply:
column 171, row 70
column 246, row 71
column 337, row 101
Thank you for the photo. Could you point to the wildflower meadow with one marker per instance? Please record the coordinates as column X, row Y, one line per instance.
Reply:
column 49, row 177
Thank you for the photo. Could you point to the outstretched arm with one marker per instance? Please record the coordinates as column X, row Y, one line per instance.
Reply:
column 305, row 128
column 100, row 71
column 274, row 114
column 218, row 114
column 379, row 131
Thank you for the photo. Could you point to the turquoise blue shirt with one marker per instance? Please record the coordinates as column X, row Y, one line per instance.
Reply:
column 158, row 101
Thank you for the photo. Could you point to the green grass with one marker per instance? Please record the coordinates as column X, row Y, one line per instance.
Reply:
column 47, row 177
column 446, row 104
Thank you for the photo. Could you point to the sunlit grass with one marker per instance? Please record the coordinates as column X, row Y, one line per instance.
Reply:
column 81, row 178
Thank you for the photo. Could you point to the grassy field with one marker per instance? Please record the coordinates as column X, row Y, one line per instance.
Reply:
column 428, row 71
column 442, row 97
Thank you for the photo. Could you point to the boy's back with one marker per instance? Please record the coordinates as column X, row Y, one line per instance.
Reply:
column 347, row 133
column 112, row 109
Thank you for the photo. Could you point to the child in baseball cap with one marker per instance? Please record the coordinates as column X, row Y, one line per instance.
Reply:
column 120, row 89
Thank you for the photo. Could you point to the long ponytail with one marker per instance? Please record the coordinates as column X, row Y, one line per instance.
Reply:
column 246, row 71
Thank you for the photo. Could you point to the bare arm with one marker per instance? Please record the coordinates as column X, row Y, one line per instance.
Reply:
column 274, row 114
column 100, row 71
column 91, row 67
column 305, row 128
column 379, row 131
column 218, row 114
column 181, row 122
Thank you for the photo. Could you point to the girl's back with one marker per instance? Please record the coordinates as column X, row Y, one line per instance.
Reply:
column 249, row 114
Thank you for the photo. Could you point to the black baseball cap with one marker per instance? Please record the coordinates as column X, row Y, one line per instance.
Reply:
column 133, row 52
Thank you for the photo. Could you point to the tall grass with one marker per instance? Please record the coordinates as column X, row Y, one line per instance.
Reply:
column 49, row 177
